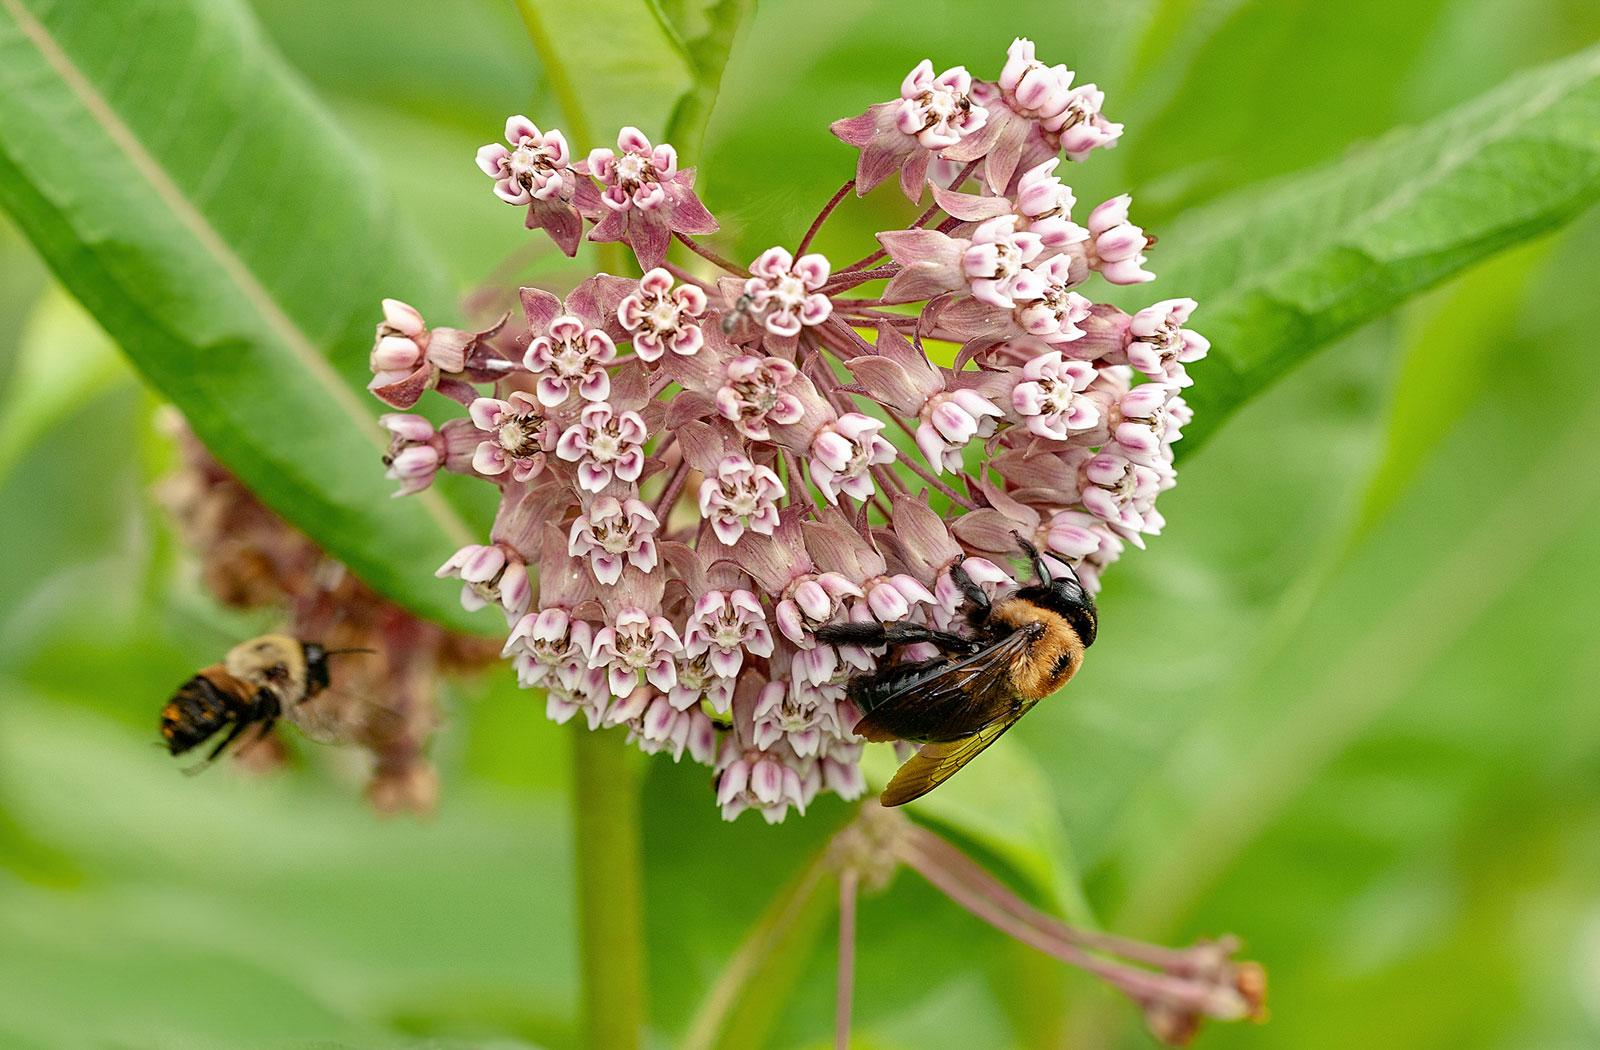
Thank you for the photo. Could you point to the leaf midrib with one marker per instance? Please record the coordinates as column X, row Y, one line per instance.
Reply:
column 255, row 294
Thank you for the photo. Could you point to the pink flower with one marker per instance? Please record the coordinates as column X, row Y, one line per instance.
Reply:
column 1080, row 126
column 932, row 113
column 415, row 451
column 1160, row 346
column 605, row 445
column 775, row 502
column 661, row 317
column 1050, row 397
column 1142, row 421
column 724, row 626
column 537, row 172
column 646, row 197
column 571, row 355
column 1045, row 205
column 938, row 111
column 757, row 393
column 949, row 421
column 767, row 780
column 811, row 600
column 1027, row 98
column 492, row 575
column 843, row 452
column 997, row 257
column 741, row 496
column 636, row 643
column 518, row 439
column 1045, row 305
column 536, row 166
column 1122, row 493
column 1117, row 244
column 785, row 291
column 613, row 532
column 549, row 644
column 1031, row 88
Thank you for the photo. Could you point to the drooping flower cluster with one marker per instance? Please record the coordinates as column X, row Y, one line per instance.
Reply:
column 691, row 484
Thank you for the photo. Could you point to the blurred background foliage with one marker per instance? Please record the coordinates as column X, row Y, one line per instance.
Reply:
column 1345, row 707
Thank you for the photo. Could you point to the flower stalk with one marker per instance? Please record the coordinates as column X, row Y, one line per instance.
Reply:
column 610, row 893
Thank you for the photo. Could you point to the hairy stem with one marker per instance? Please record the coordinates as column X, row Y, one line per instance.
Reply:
column 849, row 880
column 822, row 217
column 610, row 924
column 710, row 256
column 868, row 261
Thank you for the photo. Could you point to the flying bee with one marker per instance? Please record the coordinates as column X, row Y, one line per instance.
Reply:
column 258, row 682
column 1023, row 647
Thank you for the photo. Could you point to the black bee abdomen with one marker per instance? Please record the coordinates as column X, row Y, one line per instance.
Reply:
column 869, row 691
column 196, row 711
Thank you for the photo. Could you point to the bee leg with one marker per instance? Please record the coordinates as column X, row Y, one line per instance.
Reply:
column 977, row 600
column 875, row 634
column 233, row 734
column 1040, row 570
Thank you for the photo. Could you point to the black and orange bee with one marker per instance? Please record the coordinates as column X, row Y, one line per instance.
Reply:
column 1023, row 647
column 258, row 682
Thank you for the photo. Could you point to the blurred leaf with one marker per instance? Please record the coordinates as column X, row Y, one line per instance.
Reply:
column 64, row 360
column 235, row 911
column 228, row 247
column 705, row 30
column 609, row 67
column 1280, row 271
column 1449, row 362
column 1006, row 806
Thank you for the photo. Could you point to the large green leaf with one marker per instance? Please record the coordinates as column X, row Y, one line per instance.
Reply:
column 212, row 218
column 1281, row 271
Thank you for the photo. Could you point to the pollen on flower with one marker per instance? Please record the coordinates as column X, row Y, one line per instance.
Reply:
column 700, row 468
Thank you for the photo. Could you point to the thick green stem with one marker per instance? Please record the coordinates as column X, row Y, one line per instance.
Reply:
column 610, row 895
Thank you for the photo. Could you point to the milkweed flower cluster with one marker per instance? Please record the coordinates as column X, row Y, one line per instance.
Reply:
column 700, row 467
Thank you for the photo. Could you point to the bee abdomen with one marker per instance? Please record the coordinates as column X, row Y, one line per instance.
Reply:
column 196, row 711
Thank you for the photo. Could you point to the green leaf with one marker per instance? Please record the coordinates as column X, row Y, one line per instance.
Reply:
column 215, row 222
column 706, row 31
column 632, row 71
column 1281, row 271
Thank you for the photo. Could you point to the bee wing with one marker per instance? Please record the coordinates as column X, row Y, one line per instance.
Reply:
column 955, row 702
column 330, row 718
column 937, row 762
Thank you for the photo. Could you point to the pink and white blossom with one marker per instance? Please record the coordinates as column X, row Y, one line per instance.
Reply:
column 606, row 445
column 1117, row 245
column 741, row 495
column 518, row 437
column 951, row 419
column 613, row 533
column 636, row 644
column 843, row 453
column 1050, row 396
column 646, row 198
column 491, row 575
column 570, row 356
column 662, row 317
column 785, row 291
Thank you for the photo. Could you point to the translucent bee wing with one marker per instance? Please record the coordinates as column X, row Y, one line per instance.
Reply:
column 959, row 699
column 937, row 762
column 332, row 718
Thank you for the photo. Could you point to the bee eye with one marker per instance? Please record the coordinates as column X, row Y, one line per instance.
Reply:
column 277, row 672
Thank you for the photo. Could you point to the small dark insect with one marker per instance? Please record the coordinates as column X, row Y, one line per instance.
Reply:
column 737, row 314
column 257, row 683
column 1022, row 647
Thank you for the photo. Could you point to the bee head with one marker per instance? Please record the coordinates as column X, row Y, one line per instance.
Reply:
column 317, row 678
column 316, row 668
column 1060, row 594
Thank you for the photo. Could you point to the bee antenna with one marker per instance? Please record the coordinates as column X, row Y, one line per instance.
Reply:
column 341, row 652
